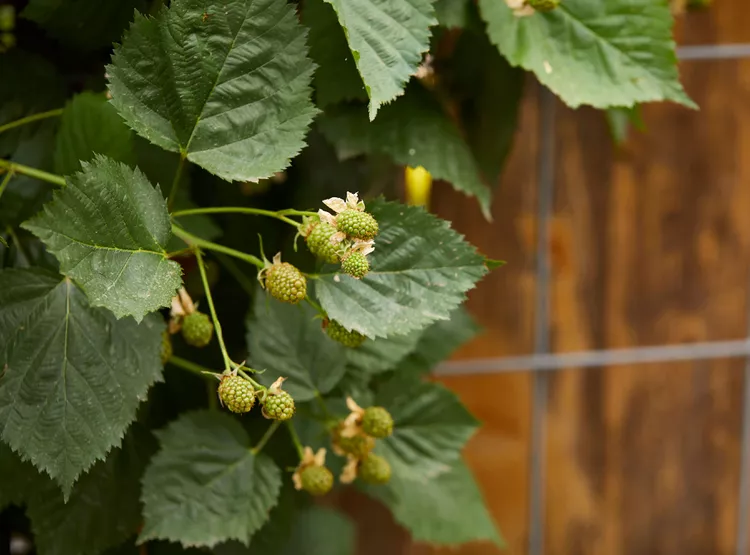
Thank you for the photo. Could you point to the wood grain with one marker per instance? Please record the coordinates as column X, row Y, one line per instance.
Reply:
column 650, row 245
column 725, row 22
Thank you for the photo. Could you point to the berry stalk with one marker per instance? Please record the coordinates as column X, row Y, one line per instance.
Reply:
column 214, row 317
column 269, row 432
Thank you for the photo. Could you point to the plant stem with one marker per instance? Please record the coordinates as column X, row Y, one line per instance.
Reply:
column 248, row 378
column 30, row 119
column 315, row 305
column 32, row 172
column 237, row 274
column 18, row 244
column 236, row 210
column 191, row 366
column 295, row 438
column 176, row 182
column 5, row 182
column 269, row 432
column 217, row 324
column 293, row 212
column 208, row 245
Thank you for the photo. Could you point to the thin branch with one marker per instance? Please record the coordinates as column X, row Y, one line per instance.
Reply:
column 13, row 167
column 269, row 432
column 208, row 245
column 214, row 317
column 236, row 210
column 30, row 119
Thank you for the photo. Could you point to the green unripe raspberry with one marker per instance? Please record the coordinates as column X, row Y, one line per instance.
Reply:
column 375, row 470
column 197, row 329
column 286, row 283
column 316, row 480
column 377, row 422
column 279, row 406
column 237, row 394
column 358, row 446
column 356, row 265
column 319, row 243
column 543, row 5
column 337, row 332
column 357, row 224
column 166, row 347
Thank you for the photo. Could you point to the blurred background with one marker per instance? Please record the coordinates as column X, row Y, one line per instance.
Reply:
column 611, row 373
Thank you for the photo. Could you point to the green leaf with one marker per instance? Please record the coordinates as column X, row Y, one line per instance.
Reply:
column 336, row 78
column 68, row 366
column 321, row 531
column 387, row 39
column 413, row 131
column 431, row 426
column 83, row 24
column 438, row 342
column 206, row 485
column 493, row 264
column 446, row 510
column 421, row 270
column 287, row 340
column 104, row 507
column 613, row 53
column 380, row 355
column 108, row 228
column 488, row 91
column 452, row 14
column 90, row 125
column 225, row 83
column 620, row 121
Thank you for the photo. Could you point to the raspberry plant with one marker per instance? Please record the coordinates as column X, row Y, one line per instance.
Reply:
column 151, row 390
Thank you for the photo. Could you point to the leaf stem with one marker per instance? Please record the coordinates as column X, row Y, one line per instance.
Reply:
column 248, row 378
column 269, row 432
column 295, row 438
column 191, row 366
column 30, row 119
column 237, row 210
column 315, row 305
column 32, row 172
column 214, row 317
column 208, row 245
column 19, row 245
column 5, row 182
column 176, row 182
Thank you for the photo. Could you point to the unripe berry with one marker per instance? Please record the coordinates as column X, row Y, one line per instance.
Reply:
column 357, row 224
column 237, row 394
column 355, row 264
column 316, row 480
column 197, row 329
column 375, row 470
column 286, row 283
column 319, row 243
column 543, row 5
column 279, row 406
column 377, row 422
column 166, row 347
column 337, row 332
column 358, row 446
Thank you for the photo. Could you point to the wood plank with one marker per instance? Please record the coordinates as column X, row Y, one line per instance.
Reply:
column 724, row 22
column 644, row 459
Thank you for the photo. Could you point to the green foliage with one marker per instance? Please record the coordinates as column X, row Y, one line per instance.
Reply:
column 421, row 270
column 66, row 366
column 114, row 247
column 201, row 92
column 206, row 485
column 227, row 84
column 614, row 53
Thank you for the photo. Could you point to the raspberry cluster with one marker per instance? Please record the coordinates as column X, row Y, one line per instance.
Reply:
column 278, row 406
column 237, row 394
column 316, row 480
column 320, row 242
column 355, row 264
column 197, row 329
column 357, row 224
column 285, row 282
column 339, row 333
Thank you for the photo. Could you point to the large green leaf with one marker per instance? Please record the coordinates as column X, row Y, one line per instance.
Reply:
column 73, row 375
column 452, row 13
column 387, row 38
column 421, row 270
column 613, row 53
column 438, row 342
column 380, row 355
column 321, row 531
column 90, row 125
column 104, row 507
column 446, row 510
column 488, row 92
column 206, row 486
column 108, row 228
column 336, row 76
column 430, row 429
column 226, row 83
column 83, row 24
column 287, row 340
column 413, row 131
